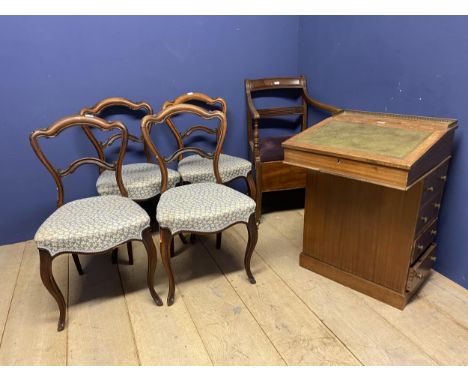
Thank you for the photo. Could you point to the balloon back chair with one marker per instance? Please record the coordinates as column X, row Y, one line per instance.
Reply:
column 200, row 208
column 89, row 226
column 141, row 180
column 197, row 169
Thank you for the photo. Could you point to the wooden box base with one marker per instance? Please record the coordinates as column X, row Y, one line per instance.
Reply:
column 361, row 285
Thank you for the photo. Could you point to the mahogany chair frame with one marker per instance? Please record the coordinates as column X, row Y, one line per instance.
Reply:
column 275, row 175
column 180, row 137
column 102, row 146
column 165, row 234
column 46, row 258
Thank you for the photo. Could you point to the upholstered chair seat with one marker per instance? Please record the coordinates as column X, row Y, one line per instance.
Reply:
column 196, row 169
column 141, row 180
column 203, row 207
column 271, row 149
column 92, row 225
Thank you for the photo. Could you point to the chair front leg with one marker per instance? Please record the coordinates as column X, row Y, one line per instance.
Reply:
column 152, row 261
column 165, row 245
column 251, row 243
column 49, row 282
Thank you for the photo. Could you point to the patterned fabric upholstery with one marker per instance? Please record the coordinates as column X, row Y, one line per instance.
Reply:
column 203, row 207
column 142, row 181
column 92, row 225
column 196, row 169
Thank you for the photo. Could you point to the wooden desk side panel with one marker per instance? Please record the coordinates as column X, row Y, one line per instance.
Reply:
column 361, row 228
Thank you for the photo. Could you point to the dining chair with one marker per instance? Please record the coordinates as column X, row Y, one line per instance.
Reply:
column 200, row 208
column 141, row 180
column 197, row 169
column 266, row 151
column 89, row 226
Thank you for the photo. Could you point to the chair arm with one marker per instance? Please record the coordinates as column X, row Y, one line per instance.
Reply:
column 253, row 111
column 320, row 105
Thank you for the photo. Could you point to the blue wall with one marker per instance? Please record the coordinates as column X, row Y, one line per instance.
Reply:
column 52, row 66
column 414, row 65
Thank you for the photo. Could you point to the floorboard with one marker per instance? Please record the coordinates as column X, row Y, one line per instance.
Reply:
column 370, row 337
column 99, row 327
column 155, row 327
column 10, row 262
column 230, row 333
column 31, row 336
column 291, row 316
column 296, row 332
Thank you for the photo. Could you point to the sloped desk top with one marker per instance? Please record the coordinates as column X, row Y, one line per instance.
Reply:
column 387, row 149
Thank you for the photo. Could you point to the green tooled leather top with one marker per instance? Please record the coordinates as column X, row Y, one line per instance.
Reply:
column 388, row 141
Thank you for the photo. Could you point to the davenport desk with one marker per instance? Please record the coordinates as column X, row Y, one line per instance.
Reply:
column 373, row 194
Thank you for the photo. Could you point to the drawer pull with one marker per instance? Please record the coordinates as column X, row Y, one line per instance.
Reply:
column 433, row 232
column 437, row 205
column 424, row 219
column 443, row 178
column 420, row 247
column 430, row 189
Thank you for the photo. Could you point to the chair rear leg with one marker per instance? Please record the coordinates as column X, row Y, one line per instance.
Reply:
column 49, row 282
column 115, row 255
column 251, row 243
column 219, row 237
column 152, row 261
column 130, row 252
column 76, row 260
column 165, row 245
column 251, row 185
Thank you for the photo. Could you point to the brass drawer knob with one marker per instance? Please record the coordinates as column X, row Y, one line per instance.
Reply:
column 430, row 189
column 443, row 178
column 420, row 247
column 433, row 232
column 424, row 219
column 437, row 205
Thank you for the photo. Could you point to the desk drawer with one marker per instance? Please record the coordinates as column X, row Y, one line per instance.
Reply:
column 434, row 183
column 428, row 212
column 423, row 241
column 421, row 269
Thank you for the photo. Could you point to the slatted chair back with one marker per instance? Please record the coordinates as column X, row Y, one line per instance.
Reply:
column 165, row 116
column 83, row 122
column 105, row 104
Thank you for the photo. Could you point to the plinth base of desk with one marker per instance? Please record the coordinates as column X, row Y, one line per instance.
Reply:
column 369, row 288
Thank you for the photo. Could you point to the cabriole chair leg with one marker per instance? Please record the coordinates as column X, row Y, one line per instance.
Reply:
column 165, row 245
column 49, row 282
column 152, row 261
column 251, row 243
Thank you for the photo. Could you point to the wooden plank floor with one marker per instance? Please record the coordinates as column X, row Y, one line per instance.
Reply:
column 290, row 317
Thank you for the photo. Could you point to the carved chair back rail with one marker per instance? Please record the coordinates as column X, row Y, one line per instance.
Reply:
column 98, row 108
